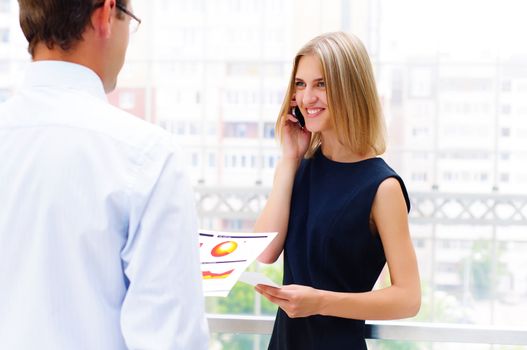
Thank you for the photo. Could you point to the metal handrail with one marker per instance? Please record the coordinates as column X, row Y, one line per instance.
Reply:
column 430, row 207
column 387, row 330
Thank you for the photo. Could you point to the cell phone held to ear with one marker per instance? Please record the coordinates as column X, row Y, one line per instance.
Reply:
column 298, row 115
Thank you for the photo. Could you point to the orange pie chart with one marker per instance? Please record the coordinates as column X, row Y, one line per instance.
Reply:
column 224, row 248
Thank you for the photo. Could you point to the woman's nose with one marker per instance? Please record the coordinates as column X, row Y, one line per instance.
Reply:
column 309, row 97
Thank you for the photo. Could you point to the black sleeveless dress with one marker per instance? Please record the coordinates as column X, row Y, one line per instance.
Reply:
column 330, row 246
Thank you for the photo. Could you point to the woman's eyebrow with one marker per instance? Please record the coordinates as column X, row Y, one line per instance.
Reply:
column 317, row 79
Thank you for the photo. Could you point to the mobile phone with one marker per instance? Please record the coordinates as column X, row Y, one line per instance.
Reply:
column 298, row 115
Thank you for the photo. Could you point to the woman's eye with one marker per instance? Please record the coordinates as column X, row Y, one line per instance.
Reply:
column 300, row 84
column 321, row 84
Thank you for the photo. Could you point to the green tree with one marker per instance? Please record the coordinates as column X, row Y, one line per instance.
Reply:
column 397, row 345
column 483, row 279
column 241, row 299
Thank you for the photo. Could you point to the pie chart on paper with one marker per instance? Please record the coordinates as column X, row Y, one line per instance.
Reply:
column 223, row 249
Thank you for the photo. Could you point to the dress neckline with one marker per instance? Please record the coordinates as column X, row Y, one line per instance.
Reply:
column 321, row 155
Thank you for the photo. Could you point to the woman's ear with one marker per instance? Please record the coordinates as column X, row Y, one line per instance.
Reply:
column 102, row 18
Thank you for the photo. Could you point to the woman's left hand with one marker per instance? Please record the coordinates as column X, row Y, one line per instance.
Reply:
column 294, row 299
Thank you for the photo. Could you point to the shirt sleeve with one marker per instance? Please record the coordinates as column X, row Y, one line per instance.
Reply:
column 164, row 304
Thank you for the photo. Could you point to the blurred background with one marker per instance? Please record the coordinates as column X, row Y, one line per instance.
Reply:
column 452, row 76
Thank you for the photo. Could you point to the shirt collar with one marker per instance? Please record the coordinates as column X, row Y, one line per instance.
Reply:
column 63, row 74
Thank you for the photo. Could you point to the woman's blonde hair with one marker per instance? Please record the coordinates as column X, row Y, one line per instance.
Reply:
column 352, row 97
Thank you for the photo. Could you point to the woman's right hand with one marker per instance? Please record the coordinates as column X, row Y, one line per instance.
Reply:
column 295, row 139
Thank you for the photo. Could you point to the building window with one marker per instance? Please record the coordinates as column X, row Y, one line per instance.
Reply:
column 5, row 5
column 243, row 69
column 4, row 94
column 506, row 109
column 211, row 129
column 268, row 131
column 505, row 155
column 419, row 242
column 194, row 128
column 420, row 131
column 4, row 35
column 181, row 128
column 421, row 82
column 195, row 159
column 212, row 160
column 240, row 130
column 271, row 161
column 419, row 176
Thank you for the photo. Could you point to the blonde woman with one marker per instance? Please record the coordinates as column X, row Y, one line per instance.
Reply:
column 340, row 210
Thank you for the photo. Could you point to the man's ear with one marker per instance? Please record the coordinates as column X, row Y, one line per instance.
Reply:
column 102, row 18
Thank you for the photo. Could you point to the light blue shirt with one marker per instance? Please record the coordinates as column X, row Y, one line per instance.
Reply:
column 98, row 229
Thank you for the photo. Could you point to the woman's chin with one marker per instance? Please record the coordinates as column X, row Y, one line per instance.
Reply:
column 313, row 126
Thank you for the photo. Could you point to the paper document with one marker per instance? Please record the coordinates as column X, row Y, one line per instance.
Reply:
column 254, row 278
column 224, row 257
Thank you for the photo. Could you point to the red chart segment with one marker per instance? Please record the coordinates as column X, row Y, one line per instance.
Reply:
column 211, row 275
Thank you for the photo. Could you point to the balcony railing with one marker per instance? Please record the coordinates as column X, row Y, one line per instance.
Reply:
column 427, row 207
column 402, row 331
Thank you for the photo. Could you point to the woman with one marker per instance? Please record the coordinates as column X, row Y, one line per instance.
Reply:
column 340, row 211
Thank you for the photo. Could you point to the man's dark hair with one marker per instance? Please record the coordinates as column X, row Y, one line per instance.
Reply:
column 55, row 22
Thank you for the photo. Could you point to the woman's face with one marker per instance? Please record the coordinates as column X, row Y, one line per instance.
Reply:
column 310, row 94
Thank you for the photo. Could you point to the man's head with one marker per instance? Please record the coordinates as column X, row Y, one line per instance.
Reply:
column 93, row 33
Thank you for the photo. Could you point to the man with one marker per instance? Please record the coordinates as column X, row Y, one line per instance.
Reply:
column 98, row 235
